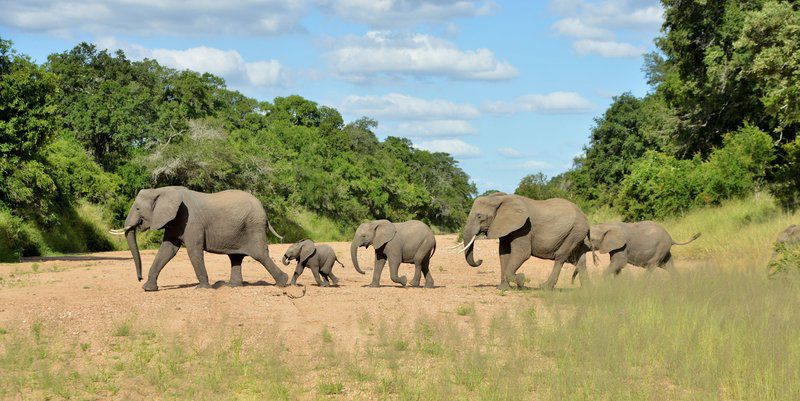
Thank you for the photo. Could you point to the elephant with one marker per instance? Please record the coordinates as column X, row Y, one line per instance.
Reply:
column 645, row 244
column 552, row 229
column 787, row 238
column 230, row 222
column 407, row 242
column 318, row 258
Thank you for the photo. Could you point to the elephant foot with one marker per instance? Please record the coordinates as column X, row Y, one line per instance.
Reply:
column 335, row 282
column 429, row 284
column 235, row 283
column 414, row 284
column 281, row 280
column 375, row 285
column 203, row 286
column 547, row 286
column 520, row 280
column 323, row 284
column 503, row 286
column 402, row 281
column 149, row 286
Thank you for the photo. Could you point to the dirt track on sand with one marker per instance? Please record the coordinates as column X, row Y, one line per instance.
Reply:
column 86, row 298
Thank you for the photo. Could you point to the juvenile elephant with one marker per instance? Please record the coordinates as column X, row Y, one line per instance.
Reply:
column 645, row 244
column 787, row 238
column 228, row 222
column 407, row 242
column 318, row 258
column 552, row 229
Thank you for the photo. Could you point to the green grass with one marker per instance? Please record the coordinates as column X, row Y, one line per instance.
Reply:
column 330, row 388
column 123, row 329
column 466, row 309
column 319, row 228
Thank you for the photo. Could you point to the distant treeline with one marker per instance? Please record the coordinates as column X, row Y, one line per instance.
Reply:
column 91, row 126
column 721, row 120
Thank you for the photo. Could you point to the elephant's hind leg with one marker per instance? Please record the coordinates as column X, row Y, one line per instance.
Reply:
column 580, row 269
column 554, row 274
column 426, row 270
column 668, row 264
column 328, row 272
column 280, row 277
column 236, row 270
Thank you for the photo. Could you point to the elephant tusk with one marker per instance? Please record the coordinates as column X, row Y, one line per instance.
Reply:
column 116, row 232
column 468, row 245
column 456, row 245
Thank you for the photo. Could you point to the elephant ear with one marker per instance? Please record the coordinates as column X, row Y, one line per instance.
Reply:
column 511, row 215
column 165, row 208
column 384, row 232
column 613, row 239
column 307, row 249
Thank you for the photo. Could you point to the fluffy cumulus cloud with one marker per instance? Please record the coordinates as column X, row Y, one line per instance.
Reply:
column 595, row 25
column 385, row 54
column 228, row 64
column 404, row 107
column 551, row 103
column 454, row 147
column 511, row 153
column 436, row 128
column 154, row 17
column 403, row 13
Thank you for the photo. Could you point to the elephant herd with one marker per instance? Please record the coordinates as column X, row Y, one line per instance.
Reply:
column 234, row 223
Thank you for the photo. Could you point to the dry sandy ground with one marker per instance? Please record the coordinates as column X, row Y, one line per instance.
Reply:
column 85, row 299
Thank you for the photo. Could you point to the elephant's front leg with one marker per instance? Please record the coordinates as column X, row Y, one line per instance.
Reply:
column 317, row 278
column 513, row 253
column 165, row 253
column 394, row 267
column 297, row 272
column 380, row 261
column 618, row 261
column 199, row 264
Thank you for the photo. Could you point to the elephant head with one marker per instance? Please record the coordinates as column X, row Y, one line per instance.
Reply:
column 376, row 233
column 606, row 238
column 152, row 209
column 495, row 215
column 300, row 251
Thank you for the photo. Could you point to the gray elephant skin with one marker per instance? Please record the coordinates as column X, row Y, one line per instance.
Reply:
column 319, row 258
column 228, row 222
column 407, row 242
column 645, row 244
column 552, row 229
column 788, row 238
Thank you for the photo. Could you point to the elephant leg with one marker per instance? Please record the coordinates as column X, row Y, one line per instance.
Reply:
column 618, row 262
column 394, row 268
column 580, row 268
column 199, row 265
column 236, row 270
column 427, row 272
column 553, row 279
column 513, row 253
column 380, row 261
column 669, row 265
column 315, row 271
column 280, row 277
column 328, row 270
column 297, row 272
column 417, row 274
column 165, row 253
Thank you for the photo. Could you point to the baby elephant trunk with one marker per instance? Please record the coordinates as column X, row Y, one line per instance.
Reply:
column 285, row 260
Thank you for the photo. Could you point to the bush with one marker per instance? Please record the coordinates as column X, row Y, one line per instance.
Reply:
column 16, row 238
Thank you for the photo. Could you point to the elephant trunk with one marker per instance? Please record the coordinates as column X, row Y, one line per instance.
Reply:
column 354, row 256
column 470, row 232
column 285, row 260
column 130, row 235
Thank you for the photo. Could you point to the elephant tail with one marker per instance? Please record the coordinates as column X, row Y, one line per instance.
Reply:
column 694, row 237
column 336, row 259
column 433, row 251
column 272, row 230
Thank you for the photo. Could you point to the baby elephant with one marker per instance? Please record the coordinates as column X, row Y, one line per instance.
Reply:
column 407, row 242
column 644, row 244
column 318, row 258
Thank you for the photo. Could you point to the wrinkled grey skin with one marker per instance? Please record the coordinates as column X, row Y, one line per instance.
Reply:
column 407, row 242
column 552, row 229
column 319, row 258
column 645, row 244
column 229, row 222
column 789, row 237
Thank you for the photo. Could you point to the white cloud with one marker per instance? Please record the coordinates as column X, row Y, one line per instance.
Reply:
column 551, row 103
column 511, row 153
column 454, row 147
column 386, row 54
column 404, row 107
column 597, row 23
column 154, row 17
column 228, row 64
column 607, row 48
column 440, row 128
column 404, row 13
column 574, row 27
column 535, row 165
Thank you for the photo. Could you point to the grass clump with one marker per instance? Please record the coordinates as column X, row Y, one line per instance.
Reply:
column 330, row 388
column 123, row 329
column 465, row 310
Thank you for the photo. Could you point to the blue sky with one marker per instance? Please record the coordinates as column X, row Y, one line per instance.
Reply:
column 509, row 88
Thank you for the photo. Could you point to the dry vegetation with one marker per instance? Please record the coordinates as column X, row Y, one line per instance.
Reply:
column 719, row 330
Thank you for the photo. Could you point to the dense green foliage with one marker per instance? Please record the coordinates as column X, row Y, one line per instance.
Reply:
column 94, row 126
column 722, row 67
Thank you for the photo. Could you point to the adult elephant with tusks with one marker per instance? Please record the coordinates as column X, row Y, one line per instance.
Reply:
column 553, row 229
column 229, row 222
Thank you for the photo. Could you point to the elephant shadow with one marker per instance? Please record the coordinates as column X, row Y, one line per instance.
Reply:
column 217, row 285
column 526, row 288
